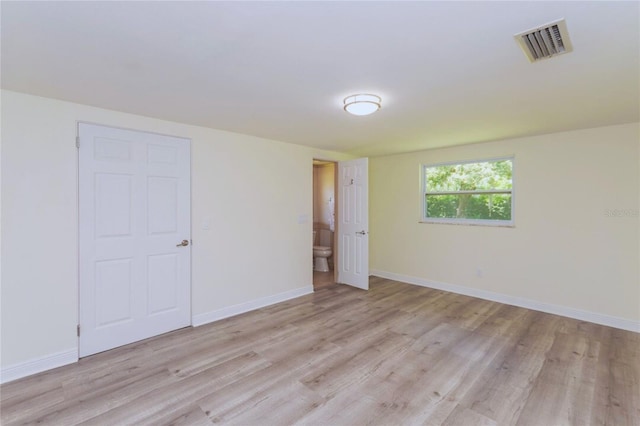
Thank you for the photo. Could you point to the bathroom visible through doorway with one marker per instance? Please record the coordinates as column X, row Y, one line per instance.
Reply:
column 324, row 223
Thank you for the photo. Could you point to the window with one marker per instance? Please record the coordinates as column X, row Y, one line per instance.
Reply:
column 479, row 193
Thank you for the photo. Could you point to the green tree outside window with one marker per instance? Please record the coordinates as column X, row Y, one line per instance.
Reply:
column 473, row 191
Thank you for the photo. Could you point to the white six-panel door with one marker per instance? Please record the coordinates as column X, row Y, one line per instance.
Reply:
column 134, row 199
column 353, row 229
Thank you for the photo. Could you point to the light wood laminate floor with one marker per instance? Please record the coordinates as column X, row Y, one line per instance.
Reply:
column 396, row 355
column 323, row 280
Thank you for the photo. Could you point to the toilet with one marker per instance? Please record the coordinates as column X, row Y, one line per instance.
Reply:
column 320, row 252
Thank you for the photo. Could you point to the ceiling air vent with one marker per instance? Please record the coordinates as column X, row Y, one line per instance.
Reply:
column 546, row 41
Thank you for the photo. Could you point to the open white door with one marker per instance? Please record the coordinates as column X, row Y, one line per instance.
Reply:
column 134, row 197
column 353, row 227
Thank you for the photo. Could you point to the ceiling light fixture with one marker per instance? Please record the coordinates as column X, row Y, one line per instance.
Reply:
column 362, row 104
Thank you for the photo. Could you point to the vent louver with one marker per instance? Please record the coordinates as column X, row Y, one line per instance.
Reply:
column 546, row 41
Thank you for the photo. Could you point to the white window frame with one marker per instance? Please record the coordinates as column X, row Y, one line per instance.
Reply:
column 456, row 221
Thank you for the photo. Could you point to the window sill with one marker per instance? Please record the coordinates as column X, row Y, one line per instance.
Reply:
column 491, row 224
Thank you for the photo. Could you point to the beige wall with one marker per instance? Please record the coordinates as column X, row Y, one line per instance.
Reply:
column 252, row 191
column 564, row 249
column 324, row 190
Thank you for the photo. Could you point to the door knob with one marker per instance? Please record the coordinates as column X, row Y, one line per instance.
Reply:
column 184, row 243
column 362, row 232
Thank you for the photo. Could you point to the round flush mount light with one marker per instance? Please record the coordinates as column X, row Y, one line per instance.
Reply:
column 363, row 104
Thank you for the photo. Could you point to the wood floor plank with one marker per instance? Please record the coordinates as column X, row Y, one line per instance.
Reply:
column 564, row 387
column 503, row 388
column 468, row 417
column 235, row 394
column 618, row 383
column 396, row 354
column 192, row 416
column 354, row 368
column 451, row 372
column 165, row 402
column 78, row 410
column 283, row 403
column 16, row 408
column 349, row 409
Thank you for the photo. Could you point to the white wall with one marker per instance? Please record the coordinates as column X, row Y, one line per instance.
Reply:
column 250, row 190
column 564, row 250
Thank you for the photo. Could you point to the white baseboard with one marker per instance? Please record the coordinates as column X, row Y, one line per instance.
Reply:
column 522, row 302
column 251, row 305
column 38, row 365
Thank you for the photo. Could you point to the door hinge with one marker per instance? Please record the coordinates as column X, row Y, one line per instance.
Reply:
column 77, row 141
column 78, row 329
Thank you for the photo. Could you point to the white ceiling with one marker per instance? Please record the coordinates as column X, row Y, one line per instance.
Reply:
column 448, row 72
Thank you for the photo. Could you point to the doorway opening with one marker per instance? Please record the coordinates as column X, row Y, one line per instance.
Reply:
column 324, row 224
